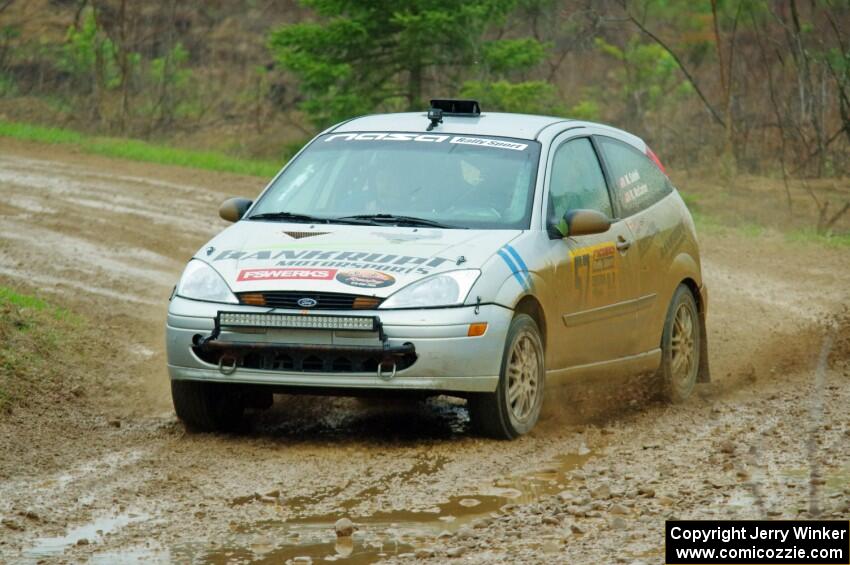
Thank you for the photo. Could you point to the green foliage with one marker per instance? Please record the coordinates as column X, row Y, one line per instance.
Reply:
column 170, row 70
column 508, row 55
column 140, row 150
column 647, row 77
column 373, row 55
column 585, row 110
column 530, row 97
column 7, row 85
column 171, row 86
column 153, row 91
column 8, row 32
column 88, row 56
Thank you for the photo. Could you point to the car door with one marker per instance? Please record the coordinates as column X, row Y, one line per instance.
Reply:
column 597, row 278
column 639, row 192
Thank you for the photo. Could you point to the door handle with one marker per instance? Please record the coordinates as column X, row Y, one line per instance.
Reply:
column 623, row 244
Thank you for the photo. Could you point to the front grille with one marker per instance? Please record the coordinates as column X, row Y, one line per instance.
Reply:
column 323, row 300
column 306, row 359
column 317, row 362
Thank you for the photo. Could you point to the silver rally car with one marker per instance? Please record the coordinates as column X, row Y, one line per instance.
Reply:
column 481, row 255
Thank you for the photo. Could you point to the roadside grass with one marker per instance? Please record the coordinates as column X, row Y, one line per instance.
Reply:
column 26, row 301
column 714, row 224
column 810, row 236
column 709, row 224
column 137, row 150
column 37, row 342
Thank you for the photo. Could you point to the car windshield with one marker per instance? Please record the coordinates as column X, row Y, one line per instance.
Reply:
column 441, row 180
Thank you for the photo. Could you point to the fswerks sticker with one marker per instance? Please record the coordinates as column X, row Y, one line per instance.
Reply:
column 286, row 274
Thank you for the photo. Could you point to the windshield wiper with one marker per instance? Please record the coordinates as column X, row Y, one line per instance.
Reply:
column 293, row 217
column 400, row 220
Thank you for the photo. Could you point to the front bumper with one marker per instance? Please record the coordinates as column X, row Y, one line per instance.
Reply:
column 447, row 360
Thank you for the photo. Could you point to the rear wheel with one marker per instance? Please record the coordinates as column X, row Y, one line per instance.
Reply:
column 680, row 347
column 208, row 407
column 513, row 409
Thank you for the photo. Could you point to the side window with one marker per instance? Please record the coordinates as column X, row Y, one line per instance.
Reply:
column 577, row 181
column 638, row 183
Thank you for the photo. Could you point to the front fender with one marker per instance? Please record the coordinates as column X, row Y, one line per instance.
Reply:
column 510, row 292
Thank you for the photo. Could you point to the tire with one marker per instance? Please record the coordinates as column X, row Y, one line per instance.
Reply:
column 522, row 374
column 681, row 344
column 208, row 407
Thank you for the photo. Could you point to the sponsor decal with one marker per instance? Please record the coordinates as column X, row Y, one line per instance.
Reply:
column 314, row 259
column 380, row 136
column 516, row 265
column 286, row 274
column 595, row 271
column 428, row 138
column 629, row 178
column 365, row 278
column 483, row 142
column 634, row 193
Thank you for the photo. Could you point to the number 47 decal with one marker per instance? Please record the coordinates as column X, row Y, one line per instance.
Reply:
column 581, row 273
column 594, row 270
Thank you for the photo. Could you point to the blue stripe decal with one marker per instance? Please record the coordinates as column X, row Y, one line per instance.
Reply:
column 520, row 262
column 514, row 269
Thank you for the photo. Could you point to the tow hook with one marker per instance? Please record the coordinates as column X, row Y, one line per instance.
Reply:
column 226, row 369
column 386, row 376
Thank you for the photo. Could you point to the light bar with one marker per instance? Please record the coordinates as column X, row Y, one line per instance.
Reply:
column 296, row 321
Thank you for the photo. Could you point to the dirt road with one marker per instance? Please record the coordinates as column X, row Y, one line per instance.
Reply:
column 119, row 480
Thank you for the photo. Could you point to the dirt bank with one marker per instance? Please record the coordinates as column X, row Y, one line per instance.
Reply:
column 117, row 478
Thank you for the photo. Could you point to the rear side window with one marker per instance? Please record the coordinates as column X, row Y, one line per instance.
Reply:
column 638, row 182
column 577, row 181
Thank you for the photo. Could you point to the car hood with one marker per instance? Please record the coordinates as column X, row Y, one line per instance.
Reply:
column 366, row 260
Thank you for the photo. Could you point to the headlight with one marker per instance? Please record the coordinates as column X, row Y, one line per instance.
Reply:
column 201, row 282
column 445, row 289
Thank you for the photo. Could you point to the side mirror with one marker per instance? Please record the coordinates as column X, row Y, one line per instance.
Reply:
column 582, row 222
column 233, row 209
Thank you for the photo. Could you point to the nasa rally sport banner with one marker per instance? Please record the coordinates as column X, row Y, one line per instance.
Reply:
column 762, row 542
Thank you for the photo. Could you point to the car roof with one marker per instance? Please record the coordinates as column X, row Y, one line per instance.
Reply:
column 524, row 126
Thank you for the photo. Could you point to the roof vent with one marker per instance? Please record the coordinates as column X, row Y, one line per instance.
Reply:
column 459, row 108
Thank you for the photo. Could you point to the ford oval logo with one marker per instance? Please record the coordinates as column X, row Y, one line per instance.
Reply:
column 307, row 302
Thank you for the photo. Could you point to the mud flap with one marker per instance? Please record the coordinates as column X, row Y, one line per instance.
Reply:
column 703, row 374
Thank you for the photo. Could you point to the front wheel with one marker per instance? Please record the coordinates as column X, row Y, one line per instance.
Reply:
column 208, row 407
column 514, row 407
column 680, row 347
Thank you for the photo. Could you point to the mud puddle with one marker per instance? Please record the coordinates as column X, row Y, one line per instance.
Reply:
column 311, row 538
column 47, row 547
